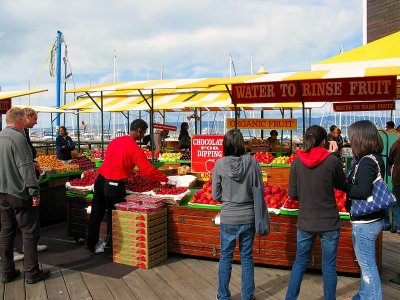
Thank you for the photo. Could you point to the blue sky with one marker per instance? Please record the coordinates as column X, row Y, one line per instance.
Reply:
column 189, row 39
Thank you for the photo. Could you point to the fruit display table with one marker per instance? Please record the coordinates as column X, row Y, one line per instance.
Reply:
column 192, row 231
column 53, row 206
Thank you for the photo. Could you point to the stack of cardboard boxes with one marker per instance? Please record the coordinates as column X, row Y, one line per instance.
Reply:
column 139, row 239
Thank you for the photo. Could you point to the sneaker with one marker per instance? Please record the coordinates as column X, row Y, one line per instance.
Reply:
column 40, row 248
column 41, row 275
column 393, row 230
column 398, row 231
column 99, row 246
column 18, row 256
column 11, row 277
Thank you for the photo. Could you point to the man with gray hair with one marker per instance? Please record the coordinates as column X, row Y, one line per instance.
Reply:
column 31, row 118
column 19, row 200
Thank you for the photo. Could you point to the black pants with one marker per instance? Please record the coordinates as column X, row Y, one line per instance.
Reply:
column 106, row 194
column 17, row 212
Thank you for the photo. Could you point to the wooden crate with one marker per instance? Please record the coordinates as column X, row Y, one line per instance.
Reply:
column 277, row 176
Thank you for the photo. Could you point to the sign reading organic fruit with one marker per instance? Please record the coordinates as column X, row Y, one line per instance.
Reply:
column 281, row 124
column 364, row 106
column 315, row 90
column 206, row 149
column 5, row 105
column 164, row 126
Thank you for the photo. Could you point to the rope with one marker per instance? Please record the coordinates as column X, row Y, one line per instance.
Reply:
column 44, row 64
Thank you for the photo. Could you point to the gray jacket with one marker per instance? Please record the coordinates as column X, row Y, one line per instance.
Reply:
column 17, row 173
column 232, row 181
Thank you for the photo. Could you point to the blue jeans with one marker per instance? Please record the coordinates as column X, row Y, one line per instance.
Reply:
column 364, row 237
column 396, row 207
column 305, row 242
column 229, row 234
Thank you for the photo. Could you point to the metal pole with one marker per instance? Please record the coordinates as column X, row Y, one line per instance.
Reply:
column 291, row 132
column 58, row 72
column 79, row 140
column 195, row 121
column 262, row 130
column 102, row 124
column 152, row 126
column 65, row 82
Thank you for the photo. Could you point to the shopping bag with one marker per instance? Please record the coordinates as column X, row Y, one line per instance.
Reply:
column 260, row 211
column 381, row 198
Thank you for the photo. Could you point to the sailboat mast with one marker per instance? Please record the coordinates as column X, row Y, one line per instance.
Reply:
column 58, row 72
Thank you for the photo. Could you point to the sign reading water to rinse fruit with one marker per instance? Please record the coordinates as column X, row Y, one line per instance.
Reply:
column 206, row 150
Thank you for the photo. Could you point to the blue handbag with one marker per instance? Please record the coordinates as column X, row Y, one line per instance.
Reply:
column 381, row 198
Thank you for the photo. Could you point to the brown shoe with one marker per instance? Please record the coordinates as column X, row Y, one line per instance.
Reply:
column 41, row 275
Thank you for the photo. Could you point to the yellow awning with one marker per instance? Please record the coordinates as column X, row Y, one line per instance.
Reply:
column 385, row 50
column 187, row 83
column 44, row 109
column 378, row 58
column 13, row 94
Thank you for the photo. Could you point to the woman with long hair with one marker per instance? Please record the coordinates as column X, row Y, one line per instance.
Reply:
column 233, row 179
column 313, row 176
column 365, row 141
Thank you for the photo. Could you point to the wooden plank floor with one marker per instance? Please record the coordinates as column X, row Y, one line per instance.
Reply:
column 183, row 277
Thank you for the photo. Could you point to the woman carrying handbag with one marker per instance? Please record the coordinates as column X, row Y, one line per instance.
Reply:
column 365, row 141
column 233, row 179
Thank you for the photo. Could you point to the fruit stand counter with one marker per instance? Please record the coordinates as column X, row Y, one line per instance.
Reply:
column 53, row 205
column 192, row 231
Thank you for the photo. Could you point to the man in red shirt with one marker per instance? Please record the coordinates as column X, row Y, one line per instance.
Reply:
column 123, row 154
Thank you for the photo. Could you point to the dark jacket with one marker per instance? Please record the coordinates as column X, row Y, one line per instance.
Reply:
column 33, row 149
column 363, row 184
column 184, row 140
column 233, row 179
column 394, row 162
column 64, row 146
column 313, row 177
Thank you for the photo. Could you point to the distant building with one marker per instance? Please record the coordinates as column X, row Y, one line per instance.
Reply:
column 382, row 18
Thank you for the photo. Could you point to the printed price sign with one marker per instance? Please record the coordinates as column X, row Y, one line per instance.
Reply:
column 206, row 150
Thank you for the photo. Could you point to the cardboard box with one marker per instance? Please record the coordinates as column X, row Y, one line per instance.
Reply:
column 128, row 242
column 126, row 222
column 139, row 264
column 140, row 216
column 142, row 251
column 125, row 219
column 139, row 257
column 122, row 235
column 137, row 230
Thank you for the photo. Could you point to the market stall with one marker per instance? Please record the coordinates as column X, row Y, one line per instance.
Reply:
column 191, row 228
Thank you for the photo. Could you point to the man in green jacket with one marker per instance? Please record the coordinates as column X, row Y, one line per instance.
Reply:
column 19, row 200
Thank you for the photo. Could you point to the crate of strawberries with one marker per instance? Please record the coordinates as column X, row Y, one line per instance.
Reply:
column 83, row 185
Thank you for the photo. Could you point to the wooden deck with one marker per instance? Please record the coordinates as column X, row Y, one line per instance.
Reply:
column 183, row 277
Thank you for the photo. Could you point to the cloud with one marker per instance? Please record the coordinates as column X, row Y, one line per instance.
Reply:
column 186, row 38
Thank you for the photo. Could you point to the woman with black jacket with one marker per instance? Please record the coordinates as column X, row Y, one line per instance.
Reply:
column 313, row 176
column 365, row 140
column 64, row 145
